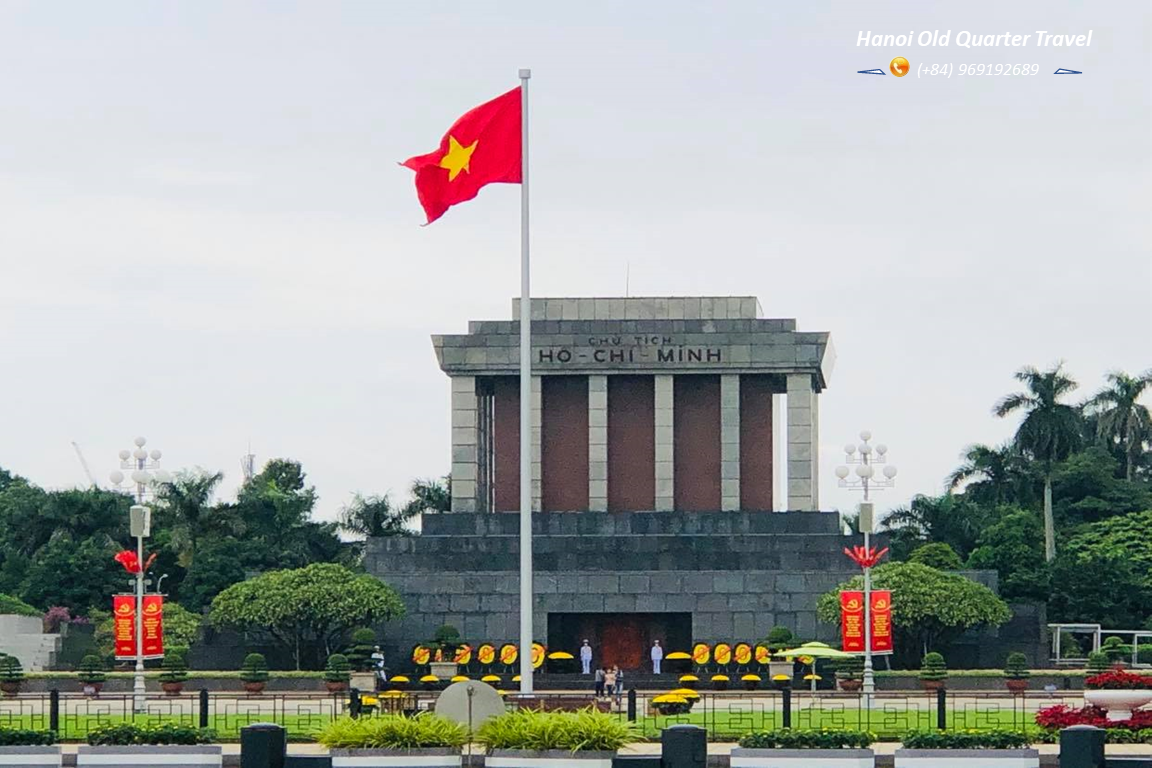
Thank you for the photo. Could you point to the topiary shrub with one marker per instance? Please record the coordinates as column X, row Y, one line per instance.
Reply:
column 1098, row 662
column 446, row 641
column 11, row 675
column 1016, row 672
column 1116, row 651
column 337, row 672
column 174, row 673
column 779, row 638
column 850, row 673
column 359, row 653
column 254, row 672
column 90, row 671
column 933, row 672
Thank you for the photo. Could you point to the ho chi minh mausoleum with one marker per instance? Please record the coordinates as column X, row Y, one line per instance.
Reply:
column 674, row 475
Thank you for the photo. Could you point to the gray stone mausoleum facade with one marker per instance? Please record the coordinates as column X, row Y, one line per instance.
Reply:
column 674, row 475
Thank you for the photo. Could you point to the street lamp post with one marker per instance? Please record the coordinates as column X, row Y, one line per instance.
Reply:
column 867, row 459
column 145, row 474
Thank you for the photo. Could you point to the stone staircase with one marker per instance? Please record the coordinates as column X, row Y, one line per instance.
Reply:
column 24, row 638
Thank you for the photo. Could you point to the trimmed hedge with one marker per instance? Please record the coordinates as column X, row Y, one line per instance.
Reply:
column 787, row 738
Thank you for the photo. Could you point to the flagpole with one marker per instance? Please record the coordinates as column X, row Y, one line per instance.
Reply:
column 525, row 406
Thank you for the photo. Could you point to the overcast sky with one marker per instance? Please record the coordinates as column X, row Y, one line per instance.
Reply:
column 206, row 240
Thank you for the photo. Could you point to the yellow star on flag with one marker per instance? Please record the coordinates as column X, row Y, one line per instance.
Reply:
column 458, row 157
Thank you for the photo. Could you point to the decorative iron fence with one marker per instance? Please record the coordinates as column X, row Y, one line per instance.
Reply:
column 725, row 715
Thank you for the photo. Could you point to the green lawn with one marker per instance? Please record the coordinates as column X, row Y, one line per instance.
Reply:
column 75, row 728
column 730, row 722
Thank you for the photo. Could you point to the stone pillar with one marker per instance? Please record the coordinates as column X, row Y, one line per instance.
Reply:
column 803, row 443
column 537, row 432
column 665, row 452
column 464, row 441
column 730, row 442
column 598, row 443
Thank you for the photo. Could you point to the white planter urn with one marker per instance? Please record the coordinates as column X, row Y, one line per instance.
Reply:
column 1118, row 703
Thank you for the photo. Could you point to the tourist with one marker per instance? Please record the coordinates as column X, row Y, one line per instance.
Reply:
column 619, row 683
column 599, row 682
column 657, row 657
column 610, row 681
column 586, row 657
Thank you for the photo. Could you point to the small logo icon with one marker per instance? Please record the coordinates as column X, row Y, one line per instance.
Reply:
column 899, row 66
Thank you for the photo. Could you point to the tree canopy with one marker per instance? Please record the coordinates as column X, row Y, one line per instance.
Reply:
column 929, row 607
column 307, row 609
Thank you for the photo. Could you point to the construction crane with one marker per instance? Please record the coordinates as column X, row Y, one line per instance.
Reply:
column 83, row 463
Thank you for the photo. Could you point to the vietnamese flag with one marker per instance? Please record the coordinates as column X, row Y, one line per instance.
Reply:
column 482, row 147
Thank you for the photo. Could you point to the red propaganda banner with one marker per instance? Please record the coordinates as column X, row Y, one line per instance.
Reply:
column 153, row 626
column 881, row 611
column 852, row 621
column 124, row 625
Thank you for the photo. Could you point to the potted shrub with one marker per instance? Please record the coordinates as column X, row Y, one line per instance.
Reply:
column 966, row 749
column 90, row 673
column 528, row 738
column 129, row 744
column 394, row 740
column 933, row 672
column 444, row 647
column 1016, row 672
column 1117, row 653
column 1098, row 663
column 1118, row 692
column 778, row 639
column 360, row 657
column 11, row 675
column 850, row 673
column 174, row 671
column 254, row 673
column 786, row 748
column 25, row 748
column 337, row 673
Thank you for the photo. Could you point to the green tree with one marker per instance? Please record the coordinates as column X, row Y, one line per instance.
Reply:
column 937, row 555
column 430, row 496
column 929, row 607
column 953, row 520
column 373, row 516
column 1121, row 419
column 181, row 630
column 186, row 511
column 1048, row 433
column 992, row 476
column 1085, row 489
column 1013, row 547
column 79, row 576
column 306, row 609
column 1104, row 573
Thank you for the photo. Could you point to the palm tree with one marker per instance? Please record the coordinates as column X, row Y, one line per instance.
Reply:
column 953, row 520
column 1049, row 432
column 371, row 516
column 1120, row 419
column 992, row 473
column 188, row 500
column 430, row 496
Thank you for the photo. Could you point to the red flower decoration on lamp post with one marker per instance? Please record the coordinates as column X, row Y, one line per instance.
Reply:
column 865, row 557
column 129, row 560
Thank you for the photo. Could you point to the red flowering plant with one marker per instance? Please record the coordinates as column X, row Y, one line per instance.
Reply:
column 1118, row 680
column 1064, row 716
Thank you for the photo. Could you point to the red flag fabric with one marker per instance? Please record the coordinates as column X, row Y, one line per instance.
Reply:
column 482, row 147
column 881, row 613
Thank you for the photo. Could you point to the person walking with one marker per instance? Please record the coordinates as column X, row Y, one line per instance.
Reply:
column 586, row 658
column 657, row 657
column 599, row 678
column 610, row 681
